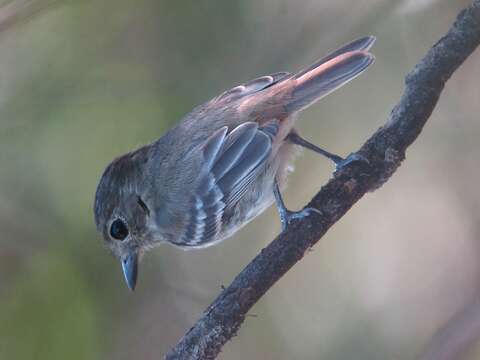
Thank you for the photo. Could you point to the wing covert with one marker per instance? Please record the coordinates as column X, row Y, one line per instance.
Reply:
column 252, row 86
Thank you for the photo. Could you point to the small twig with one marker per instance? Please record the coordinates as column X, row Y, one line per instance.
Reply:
column 385, row 151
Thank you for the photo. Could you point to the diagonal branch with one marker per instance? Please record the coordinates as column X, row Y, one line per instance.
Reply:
column 385, row 151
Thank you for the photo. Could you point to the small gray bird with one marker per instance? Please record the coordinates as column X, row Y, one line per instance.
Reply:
column 220, row 166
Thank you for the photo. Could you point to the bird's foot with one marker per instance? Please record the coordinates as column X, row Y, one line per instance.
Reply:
column 287, row 216
column 353, row 157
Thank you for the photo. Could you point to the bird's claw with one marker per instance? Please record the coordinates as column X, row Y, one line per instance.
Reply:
column 353, row 157
column 290, row 216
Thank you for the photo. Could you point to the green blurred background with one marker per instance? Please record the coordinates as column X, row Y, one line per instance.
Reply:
column 84, row 81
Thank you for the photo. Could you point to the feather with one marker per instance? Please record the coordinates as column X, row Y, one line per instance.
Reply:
column 252, row 86
column 362, row 44
column 237, row 158
column 311, row 86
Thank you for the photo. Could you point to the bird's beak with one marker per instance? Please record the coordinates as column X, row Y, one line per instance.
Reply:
column 130, row 270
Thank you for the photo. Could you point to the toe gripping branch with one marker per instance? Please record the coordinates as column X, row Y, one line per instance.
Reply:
column 287, row 216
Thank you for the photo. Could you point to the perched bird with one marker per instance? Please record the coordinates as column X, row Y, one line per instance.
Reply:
column 220, row 166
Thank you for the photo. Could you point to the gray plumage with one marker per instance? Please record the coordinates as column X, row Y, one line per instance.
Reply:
column 215, row 170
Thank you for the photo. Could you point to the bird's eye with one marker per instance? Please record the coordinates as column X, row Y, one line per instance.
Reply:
column 118, row 230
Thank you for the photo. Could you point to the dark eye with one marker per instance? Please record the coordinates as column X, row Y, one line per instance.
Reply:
column 118, row 230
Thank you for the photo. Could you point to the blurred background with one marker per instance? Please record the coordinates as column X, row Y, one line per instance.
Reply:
column 84, row 81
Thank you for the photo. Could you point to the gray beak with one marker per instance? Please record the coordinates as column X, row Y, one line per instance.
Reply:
column 130, row 270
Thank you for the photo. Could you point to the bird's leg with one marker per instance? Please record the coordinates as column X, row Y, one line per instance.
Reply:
column 340, row 162
column 286, row 216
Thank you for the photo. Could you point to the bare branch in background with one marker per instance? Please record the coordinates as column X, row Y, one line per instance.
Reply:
column 385, row 151
column 453, row 339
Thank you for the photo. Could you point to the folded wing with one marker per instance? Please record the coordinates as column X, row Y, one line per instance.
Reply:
column 231, row 161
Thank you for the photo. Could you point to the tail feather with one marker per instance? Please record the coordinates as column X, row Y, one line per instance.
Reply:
column 362, row 44
column 320, row 80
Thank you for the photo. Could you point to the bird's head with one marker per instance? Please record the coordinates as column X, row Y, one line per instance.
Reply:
column 122, row 215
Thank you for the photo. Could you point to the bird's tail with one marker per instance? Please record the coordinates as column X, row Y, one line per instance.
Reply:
column 330, row 73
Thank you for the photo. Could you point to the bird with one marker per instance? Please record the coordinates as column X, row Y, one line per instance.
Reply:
column 219, row 167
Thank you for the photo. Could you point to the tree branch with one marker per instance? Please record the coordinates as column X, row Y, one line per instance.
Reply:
column 385, row 151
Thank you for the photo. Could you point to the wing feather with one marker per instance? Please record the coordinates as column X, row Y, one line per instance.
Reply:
column 233, row 161
column 252, row 86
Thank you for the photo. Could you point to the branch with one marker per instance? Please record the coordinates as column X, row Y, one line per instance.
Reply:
column 385, row 151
